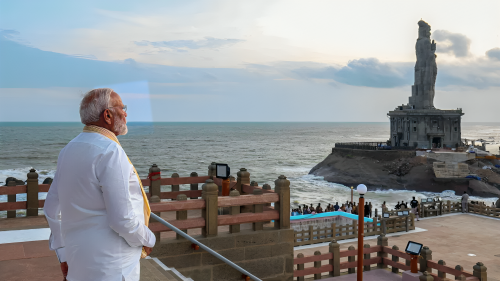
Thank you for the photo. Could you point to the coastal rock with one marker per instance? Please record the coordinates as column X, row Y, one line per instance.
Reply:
column 482, row 189
column 47, row 181
column 18, row 182
column 380, row 169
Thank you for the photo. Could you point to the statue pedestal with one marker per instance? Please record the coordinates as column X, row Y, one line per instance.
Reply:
column 408, row 276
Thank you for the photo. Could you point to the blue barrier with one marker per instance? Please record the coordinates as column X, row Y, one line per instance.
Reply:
column 329, row 214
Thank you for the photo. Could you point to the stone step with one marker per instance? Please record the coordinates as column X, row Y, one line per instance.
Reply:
column 154, row 270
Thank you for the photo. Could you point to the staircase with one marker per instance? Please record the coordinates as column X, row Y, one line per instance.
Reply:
column 154, row 270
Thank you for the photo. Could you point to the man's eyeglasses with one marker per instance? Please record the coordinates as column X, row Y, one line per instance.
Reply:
column 124, row 108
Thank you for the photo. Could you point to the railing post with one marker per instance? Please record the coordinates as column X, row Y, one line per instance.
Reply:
column 282, row 187
column 311, row 234
column 382, row 241
column 441, row 274
column 11, row 198
column 234, row 210
column 366, row 257
column 376, row 213
column 210, row 193
column 426, row 254
column 267, row 187
column 317, row 264
column 32, row 193
column 175, row 187
column 395, row 259
column 155, row 185
column 461, row 278
column 194, row 186
column 422, row 211
column 212, row 172
column 258, row 208
column 480, row 271
column 374, row 226
column 243, row 177
column 181, row 215
column 300, row 266
column 351, row 259
column 334, row 230
column 448, row 203
column 426, row 277
column 334, row 248
column 406, row 223
column 384, row 226
column 459, row 268
column 354, row 228
column 155, row 193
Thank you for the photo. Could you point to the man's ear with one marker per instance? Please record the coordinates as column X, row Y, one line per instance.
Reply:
column 107, row 116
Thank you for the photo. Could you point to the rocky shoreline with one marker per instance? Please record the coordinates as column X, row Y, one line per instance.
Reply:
column 401, row 170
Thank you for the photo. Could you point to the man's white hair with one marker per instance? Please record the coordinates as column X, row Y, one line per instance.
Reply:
column 94, row 103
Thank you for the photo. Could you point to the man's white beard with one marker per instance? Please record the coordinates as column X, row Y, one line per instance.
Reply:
column 120, row 127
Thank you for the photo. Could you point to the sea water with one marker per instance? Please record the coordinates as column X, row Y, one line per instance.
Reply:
column 267, row 150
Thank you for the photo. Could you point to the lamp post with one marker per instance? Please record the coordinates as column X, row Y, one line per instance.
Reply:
column 352, row 192
column 361, row 228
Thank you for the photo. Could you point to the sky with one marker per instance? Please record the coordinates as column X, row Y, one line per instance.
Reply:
column 307, row 61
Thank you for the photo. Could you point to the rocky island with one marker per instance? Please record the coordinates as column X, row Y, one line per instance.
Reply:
column 424, row 152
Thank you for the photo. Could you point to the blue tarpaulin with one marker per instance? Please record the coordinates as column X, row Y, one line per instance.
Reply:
column 473, row 177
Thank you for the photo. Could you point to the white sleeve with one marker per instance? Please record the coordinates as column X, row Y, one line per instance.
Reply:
column 52, row 210
column 113, row 171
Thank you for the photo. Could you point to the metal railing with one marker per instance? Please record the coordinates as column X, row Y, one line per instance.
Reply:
column 217, row 255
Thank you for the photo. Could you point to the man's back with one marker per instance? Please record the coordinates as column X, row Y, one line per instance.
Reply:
column 101, row 210
column 465, row 197
column 414, row 203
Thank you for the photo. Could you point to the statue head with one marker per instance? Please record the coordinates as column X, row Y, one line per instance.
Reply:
column 424, row 29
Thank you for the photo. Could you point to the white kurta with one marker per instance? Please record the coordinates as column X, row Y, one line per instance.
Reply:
column 95, row 211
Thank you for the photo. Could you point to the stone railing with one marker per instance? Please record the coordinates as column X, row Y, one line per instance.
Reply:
column 341, row 232
column 448, row 207
column 335, row 262
column 266, row 237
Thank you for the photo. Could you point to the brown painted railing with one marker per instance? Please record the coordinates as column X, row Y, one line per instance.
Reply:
column 333, row 264
column 349, row 231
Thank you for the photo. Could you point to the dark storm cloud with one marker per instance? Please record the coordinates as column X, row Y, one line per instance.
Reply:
column 493, row 54
column 182, row 45
column 452, row 43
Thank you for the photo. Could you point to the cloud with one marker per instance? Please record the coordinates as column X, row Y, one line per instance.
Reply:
column 366, row 72
column 493, row 54
column 452, row 43
column 184, row 45
column 9, row 34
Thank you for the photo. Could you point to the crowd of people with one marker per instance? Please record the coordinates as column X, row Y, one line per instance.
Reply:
column 352, row 208
column 348, row 207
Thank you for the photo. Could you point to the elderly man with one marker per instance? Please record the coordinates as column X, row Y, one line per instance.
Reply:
column 96, row 207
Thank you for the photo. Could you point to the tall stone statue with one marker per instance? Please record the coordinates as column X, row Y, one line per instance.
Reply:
column 422, row 92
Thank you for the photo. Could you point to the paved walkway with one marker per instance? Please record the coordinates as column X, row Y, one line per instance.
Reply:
column 461, row 239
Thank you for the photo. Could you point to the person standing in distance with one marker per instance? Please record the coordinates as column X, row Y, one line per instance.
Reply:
column 465, row 205
column 414, row 206
column 96, row 207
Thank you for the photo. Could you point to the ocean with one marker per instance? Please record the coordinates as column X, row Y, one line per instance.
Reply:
column 267, row 150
